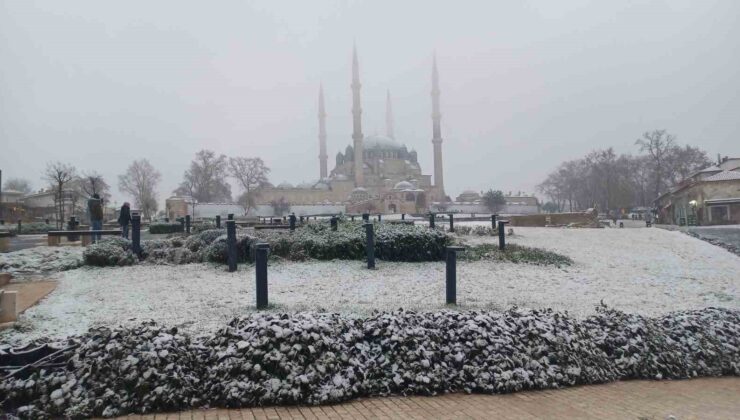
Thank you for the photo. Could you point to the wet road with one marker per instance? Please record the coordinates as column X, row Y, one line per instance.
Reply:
column 727, row 235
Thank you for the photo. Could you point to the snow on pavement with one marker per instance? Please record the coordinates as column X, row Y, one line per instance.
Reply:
column 648, row 271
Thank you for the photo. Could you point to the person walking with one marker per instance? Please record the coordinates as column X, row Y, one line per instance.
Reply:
column 95, row 208
column 124, row 219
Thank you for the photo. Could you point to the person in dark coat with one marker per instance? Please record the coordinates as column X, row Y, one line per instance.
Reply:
column 124, row 219
column 95, row 208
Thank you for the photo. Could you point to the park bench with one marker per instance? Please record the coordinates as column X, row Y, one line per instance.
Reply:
column 54, row 236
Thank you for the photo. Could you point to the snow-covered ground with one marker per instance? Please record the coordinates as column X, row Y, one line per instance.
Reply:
column 648, row 271
column 37, row 261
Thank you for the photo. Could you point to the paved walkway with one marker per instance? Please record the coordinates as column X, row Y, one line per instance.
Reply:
column 706, row 398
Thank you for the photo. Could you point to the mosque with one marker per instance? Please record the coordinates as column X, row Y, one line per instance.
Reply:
column 375, row 173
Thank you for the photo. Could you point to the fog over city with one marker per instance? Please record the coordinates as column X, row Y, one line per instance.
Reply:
column 524, row 85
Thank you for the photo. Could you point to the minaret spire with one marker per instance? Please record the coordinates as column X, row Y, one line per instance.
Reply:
column 322, row 135
column 437, row 133
column 357, row 121
column 389, row 117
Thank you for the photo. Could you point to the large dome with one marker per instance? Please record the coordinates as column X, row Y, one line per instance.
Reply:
column 380, row 142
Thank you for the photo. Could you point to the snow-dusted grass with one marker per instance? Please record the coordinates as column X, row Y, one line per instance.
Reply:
column 645, row 271
column 41, row 260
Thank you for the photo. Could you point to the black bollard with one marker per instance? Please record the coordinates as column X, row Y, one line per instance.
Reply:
column 451, row 277
column 493, row 221
column 187, row 224
column 365, row 217
column 353, row 217
column 380, row 217
column 333, row 222
column 431, row 220
column 136, row 233
column 403, row 216
column 301, row 219
column 501, row 234
column 182, row 224
column 46, row 221
column 231, row 245
column 452, row 222
column 314, row 218
column 260, row 271
column 292, row 222
column 166, row 219
column 20, row 225
column 230, row 216
column 370, row 234
column 218, row 221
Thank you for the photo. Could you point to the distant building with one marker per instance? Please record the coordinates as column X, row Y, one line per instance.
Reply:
column 711, row 196
column 374, row 173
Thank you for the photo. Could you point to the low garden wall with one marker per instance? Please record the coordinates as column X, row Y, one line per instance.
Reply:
column 533, row 220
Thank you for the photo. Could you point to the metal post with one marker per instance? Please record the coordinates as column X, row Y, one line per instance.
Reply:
column 502, row 234
column 452, row 222
column 431, row 220
column 333, row 222
column 493, row 221
column 218, row 221
column 292, row 222
column 231, row 245
column 451, row 274
column 403, row 216
column 370, row 234
column 230, row 216
column 46, row 221
column 136, row 233
column 353, row 217
column 380, row 217
column 365, row 217
column 261, row 274
column 182, row 224
column 187, row 224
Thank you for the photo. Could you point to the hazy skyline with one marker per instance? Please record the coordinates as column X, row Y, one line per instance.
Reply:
column 524, row 85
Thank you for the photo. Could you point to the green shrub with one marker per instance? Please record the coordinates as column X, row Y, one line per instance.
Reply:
column 160, row 228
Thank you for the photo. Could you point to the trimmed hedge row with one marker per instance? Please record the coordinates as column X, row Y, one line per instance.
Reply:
column 160, row 228
column 320, row 358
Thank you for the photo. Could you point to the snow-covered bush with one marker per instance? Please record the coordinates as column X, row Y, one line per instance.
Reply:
column 109, row 251
column 320, row 358
column 514, row 253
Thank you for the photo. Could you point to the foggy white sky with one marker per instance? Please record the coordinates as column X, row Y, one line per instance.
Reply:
column 524, row 84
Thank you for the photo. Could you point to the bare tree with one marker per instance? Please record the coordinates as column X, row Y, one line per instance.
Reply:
column 251, row 173
column 18, row 184
column 59, row 175
column 140, row 181
column 188, row 187
column 207, row 174
column 657, row 144
column 91, row 183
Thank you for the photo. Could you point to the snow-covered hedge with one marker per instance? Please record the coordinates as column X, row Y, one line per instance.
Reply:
column 28, row 228
column 319, row 358
column 393, row 242
column 162, row 227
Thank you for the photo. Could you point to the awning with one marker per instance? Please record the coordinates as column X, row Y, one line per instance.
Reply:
column 718, row 201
